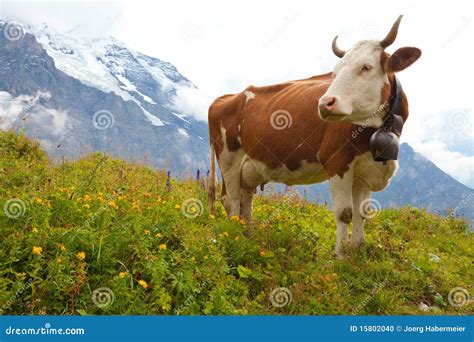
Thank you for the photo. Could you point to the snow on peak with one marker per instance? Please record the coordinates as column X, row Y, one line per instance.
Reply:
column 108, row 65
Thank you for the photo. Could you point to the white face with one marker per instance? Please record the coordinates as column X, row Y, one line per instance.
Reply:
column 355, row 94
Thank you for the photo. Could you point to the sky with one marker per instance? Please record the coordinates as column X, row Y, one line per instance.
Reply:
column 224, row 46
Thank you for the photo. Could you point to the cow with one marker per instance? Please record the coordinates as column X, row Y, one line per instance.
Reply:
column 312, row 130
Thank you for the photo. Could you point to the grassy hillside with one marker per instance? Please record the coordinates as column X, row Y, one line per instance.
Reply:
column 68, row 231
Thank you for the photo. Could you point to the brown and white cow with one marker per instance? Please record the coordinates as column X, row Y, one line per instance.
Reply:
column 311, row 130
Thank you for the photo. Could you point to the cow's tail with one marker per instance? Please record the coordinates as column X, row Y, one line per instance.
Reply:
column 211, row 183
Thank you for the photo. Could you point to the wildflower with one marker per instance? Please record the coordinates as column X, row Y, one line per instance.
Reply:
column 158, row 200
column 262, row 252
column 135, row 205
column 37, row 250
column 38, row 200
column 193, row 258
column 177, row 206
column 163, row 246
column 80, row 256
column 122, row 274
column 113, row 204
column 87, row 206
column 225, row 234
column 34, row 230
column 143, row 284
column 158, row 235
column 47, row 203
column 242, row 221
column 62, row 247
column 147, row 194
column 235, row 218
column 146, row 232
column 206, row 257
column 212, row 217
column 87, row 198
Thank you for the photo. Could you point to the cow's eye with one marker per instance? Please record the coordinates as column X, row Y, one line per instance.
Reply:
column 366, row 67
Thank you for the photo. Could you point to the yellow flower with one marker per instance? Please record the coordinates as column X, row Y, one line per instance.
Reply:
column 87, row 206
column 34, row 230
column 206, row 257
column 163, row 246
column 87, row 197
column 212, row 217
column 37, row 250
column 122, row 274
column 146, row 232
column 38, row 200
column 262, row 252
column 193, row 258
column 135, row 205
column 62, row 247
column 143, row 284
column 113, row 205
column 158, row 200
column 242, row 221
column 177, row 206
column 80, row 256
column 225, row 234
column 158, row 235
column 235, row 218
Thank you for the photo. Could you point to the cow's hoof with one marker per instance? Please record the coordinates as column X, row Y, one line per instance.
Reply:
column 358, row 244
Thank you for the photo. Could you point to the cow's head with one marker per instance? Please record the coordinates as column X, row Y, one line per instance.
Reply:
column 355, row 94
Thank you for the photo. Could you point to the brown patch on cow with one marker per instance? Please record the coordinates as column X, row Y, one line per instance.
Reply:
column 309, row 138
column 346, row 215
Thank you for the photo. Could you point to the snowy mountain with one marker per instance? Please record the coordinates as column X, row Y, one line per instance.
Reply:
column 96, row 94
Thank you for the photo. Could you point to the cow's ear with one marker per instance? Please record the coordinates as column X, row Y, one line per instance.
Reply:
column 402, row 59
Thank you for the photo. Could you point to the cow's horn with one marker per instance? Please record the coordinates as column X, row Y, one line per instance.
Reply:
column 338, row 52
column 387, row 41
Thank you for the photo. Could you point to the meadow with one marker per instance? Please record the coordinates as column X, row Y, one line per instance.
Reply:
column 100, row 236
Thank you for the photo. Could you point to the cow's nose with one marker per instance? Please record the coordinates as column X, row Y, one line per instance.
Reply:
column 327, row 103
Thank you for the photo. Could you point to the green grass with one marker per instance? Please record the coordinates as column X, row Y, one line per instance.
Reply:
column 100, row 222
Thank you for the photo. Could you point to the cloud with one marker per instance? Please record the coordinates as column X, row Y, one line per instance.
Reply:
column 17, row 108
column 191, row 101
column 26, row 111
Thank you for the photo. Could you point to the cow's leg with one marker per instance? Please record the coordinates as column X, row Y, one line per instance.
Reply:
column 231, row 199
column 341, row 194
column 251, row 178
column 246, row 199
column 360, row 193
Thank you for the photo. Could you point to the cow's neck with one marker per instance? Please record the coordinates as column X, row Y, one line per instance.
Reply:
column 393, row 120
